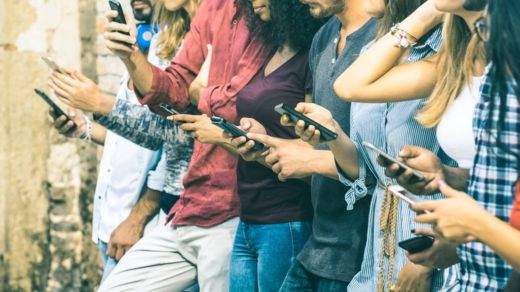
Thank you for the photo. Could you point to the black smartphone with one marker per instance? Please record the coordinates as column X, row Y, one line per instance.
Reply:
column 326, row 134
column 57, row 110
column 234, row 131
column 116, row 5
column 416, row 175
column 169, row 109
column 417, row 244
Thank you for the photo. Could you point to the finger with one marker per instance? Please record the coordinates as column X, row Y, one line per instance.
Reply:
column 410, row 151
column 405, row 177
column 448, row 191
column 115, row 46
column 299, row 128
column 392, row 170
column 425, row 231
column 282, row 177
column 189, row 127
column 111, row 250
column 308, row 133
column 264, row 139
column 245, row 124
column 237, row 142
column 384, row 162
column 427, row 206
column 426, row 218
column 62, row 94
column 66, row 79
column 271, row 159
column 110, row 14
column 186, row 118
column 117, row 28
column 65, row 88
column 316, row 138
column 120, row 252
column 52, row 113
column 59, row 122
column 119, row 37
column 276, row 168
column 65, row 129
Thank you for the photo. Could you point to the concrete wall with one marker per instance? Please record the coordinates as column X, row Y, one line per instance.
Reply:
column 47, row 181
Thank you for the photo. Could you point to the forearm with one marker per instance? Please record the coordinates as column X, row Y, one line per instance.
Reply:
column 140, row 72
column 147, row 206
column 500, row 236
column 345, row 153
column 455, row 177
column 376, row 72
column 98, row 134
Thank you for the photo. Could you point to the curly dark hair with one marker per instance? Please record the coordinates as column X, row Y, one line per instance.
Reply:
column 291, row 23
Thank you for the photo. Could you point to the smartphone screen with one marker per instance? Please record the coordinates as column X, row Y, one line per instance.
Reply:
column 116, row 5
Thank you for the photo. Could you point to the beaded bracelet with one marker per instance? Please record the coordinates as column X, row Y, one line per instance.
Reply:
column 403, row 39
column 87, row 136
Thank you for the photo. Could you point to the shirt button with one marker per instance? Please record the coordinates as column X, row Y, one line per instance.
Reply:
column 235, row 21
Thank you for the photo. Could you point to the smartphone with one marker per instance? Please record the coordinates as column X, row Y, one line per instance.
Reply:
column 234, row 131
column 169, row 109
column 116, row 5
column 416, row 175
column 57, row 110
column 55, row 67
column 326, row 134
column 417, row 244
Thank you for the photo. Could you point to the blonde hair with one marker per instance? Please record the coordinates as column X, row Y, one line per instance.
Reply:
column 174, row 26
column 458, row 57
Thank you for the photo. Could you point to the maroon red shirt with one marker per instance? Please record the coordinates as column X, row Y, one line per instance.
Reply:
column 210, row 183
column 264, row 199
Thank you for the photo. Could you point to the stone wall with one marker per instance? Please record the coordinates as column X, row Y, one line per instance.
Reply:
column 47, row 181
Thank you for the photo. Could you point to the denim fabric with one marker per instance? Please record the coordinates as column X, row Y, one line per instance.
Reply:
column 263, row 253
column 300, row 280
column 109, row 263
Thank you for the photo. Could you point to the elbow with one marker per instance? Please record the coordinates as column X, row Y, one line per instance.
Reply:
column 343, row 90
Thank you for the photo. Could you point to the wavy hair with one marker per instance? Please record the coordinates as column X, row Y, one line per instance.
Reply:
column 460, row 52
column 395, row 12
column 291, row 23
column 173, row 25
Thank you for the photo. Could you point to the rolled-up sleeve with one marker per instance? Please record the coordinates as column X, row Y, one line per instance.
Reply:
column 358, row 188
column 157, row 177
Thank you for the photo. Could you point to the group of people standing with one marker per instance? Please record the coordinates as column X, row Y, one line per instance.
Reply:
column 433, row 82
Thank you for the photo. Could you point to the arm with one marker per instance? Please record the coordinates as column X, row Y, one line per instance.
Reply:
column 169, row 86
column 374, row 77
column 141, row 126
column 131, row 229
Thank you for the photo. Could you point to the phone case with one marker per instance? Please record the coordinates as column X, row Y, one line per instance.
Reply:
column 116, row 5
column 417, row 244
column 234, row 131
column 326, row 134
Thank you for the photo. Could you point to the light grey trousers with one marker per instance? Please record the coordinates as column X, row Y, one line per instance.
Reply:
column 171, row 259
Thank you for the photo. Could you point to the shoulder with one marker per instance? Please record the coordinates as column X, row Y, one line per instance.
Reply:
column 327, row 32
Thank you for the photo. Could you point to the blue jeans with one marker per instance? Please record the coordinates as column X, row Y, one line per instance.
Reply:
column 300, row 280
column 263, row 253
column 109, row 263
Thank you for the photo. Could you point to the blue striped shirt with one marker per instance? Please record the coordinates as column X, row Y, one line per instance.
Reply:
column 390, row 126
column 492, row 182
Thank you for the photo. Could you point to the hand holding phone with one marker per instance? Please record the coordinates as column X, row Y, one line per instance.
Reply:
column 235, row 131
column 56, row 109
column 294, row 116
column 116, row 6
column 416, row 175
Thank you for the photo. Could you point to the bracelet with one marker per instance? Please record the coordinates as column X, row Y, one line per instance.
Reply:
column 403, row 39
column 87, row 136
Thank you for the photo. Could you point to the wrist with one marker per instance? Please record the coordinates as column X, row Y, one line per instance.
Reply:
column 105, row 104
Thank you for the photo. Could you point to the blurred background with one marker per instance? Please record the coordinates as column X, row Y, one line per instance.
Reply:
column 47, row 181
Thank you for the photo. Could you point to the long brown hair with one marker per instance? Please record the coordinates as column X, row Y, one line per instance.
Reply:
column 395, row 12
column 458, row 57
column 173, row 25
